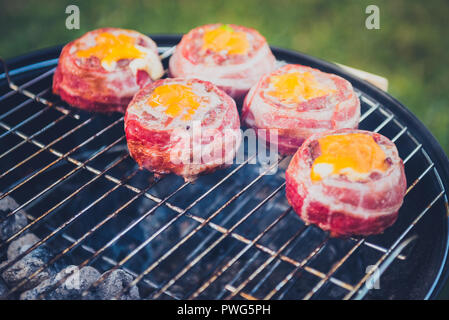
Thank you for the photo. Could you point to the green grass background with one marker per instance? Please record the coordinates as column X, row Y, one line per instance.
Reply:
column 410, row 49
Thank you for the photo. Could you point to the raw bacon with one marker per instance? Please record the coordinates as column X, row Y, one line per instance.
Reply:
column 297, row 108
column 342, row 205
column 182, row 126
column 234, row 60
column 85, row 80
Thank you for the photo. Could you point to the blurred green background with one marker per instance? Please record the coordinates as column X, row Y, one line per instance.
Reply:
column 410, row 49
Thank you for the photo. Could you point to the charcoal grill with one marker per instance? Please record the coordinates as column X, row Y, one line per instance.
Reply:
column 228, row 235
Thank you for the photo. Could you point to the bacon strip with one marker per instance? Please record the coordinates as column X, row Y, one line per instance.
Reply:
column 339, row 205
column 85, row 84
column 234, row 74
column 155, row 138
column 336, row 110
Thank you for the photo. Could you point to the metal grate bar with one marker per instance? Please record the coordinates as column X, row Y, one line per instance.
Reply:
column 389, row 255
column 71, row 195
column 145, row 191
column 400, row 133
column 16, row 108
column 106, row 259
column 98, row 252
column 153, row 198
column 367, row 113
column 49, row 236
column 82, row 238
column 30, row 118
column 54, row 162
column 359, row 242
column 165, row 226
column 385, row 264
column 385, row 122
column 395, row 244
column 239, row 273
column 338, row 264
column 225, row 219
column 269, row 260
column 378, row 128
column 334, row 269
column 42, row 148
column 282, row 257
column 21, row 105
column 225, row 267
column 422, row 175
column 242, row 294
column 213, row 245
column 183, row 240
column 19, row 89
column 167, row 52
column 272, row 269
column 418, row 147
column 21, row 143
column 111, row 216
column 287, row 252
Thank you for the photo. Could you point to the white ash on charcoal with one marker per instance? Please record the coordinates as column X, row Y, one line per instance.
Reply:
column 13, row 223
column 71, row 289
column 113, row 284
column 20, row 245
column 26, row 266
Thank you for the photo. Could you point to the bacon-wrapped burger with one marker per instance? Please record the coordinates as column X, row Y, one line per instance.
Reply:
column 182, row 126
column 232, row 57
column 299, row 101
column 102, row 70
column 349, row 182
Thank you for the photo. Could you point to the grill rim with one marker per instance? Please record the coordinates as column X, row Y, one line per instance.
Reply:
column 30, row 61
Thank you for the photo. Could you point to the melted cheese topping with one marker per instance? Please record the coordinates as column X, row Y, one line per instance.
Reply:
column 178, row 100
column 226, row 39
column 110, row 48
column 295, row 87
column 355, row 155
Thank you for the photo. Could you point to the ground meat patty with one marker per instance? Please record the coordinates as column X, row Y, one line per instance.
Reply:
column 349, row 182
column 299, row 101
column 102, row 70
column 182, row 126
column 232, row 57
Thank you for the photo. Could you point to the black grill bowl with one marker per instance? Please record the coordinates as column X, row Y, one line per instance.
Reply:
column 239, row 239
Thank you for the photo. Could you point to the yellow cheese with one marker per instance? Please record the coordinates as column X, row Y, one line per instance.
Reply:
column 225, row 39
column 353, row 154
column 296, row 87
column 110, row 48
column 177, row 98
